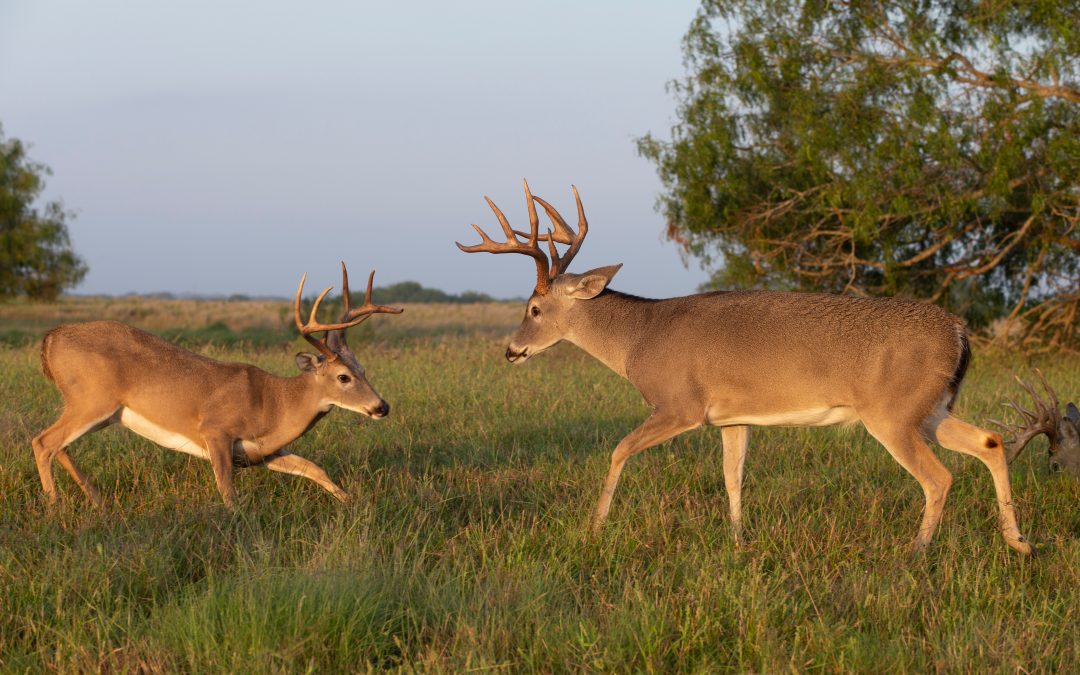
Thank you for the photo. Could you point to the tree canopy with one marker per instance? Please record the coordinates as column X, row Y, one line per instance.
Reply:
column 36, row 258
column 923, row 148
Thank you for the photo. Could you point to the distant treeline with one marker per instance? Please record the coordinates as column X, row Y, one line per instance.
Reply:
column 405, row 291
column 411, row 291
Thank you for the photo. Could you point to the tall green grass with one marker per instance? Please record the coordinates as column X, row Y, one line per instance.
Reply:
column 466, row 545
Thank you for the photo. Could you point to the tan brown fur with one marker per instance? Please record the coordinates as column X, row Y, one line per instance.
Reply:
column 753, row 357
column 741, row 358
column 45, row 358
column 233, row 414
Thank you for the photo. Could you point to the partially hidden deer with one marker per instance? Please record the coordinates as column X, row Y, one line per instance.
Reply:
column 736, row 359
column 1062, row 431
column 234, row 414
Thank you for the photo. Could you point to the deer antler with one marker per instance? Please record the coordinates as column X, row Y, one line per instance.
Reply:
column 313, row 325
column 335, row 339
column 367, row 309
column 546, row 269
column 563, row 234
column 530, row 248
column 1043, row 420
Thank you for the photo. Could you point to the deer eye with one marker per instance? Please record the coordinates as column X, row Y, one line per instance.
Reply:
column 535, row 311
column 344, row 379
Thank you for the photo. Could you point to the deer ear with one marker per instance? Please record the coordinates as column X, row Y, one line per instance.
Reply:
column 1073, row 414
column 308, row 363
column 589, row 284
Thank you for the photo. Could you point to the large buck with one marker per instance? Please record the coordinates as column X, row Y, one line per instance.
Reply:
column 743, row 358
column 233, row 414
column 1062, row 431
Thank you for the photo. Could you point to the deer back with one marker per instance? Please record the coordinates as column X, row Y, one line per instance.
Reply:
column 109, row 361
column 760, row 353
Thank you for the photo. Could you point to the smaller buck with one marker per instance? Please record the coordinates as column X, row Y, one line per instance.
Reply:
column 743, row 358
column 233, row 414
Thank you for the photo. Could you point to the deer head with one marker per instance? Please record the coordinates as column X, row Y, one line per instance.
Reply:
column 342, row 379
column 1063, row 431
column 556, row 291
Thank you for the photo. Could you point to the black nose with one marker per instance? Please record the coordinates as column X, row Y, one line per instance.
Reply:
column 509, row 354
column 383, row 410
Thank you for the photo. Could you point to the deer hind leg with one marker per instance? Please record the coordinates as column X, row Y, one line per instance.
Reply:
column 52, row 443
column 286, row 462
column 735, row 441
column 907, row 447
column 959, row 436
column 658, row 428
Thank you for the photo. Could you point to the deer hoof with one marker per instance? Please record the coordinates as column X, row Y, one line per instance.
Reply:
column 1022, row 545
column 918, row 547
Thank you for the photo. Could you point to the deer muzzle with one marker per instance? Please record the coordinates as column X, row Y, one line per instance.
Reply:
column 381, row 410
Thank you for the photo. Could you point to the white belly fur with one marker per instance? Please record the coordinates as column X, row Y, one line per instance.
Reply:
column 163, row 437
column 813, row 417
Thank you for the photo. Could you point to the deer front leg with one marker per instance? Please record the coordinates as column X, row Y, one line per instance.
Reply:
column 958, row 435
column 219, row 447
column 655, row 430
column 735, row 441
column 286, row 462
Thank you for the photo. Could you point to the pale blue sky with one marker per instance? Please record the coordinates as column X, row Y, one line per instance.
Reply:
column 225, row 147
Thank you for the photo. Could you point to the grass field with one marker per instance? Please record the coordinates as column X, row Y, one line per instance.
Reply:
column 466, row 545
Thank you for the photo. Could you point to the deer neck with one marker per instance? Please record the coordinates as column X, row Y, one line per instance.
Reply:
column 607, row 327
column 297, row 407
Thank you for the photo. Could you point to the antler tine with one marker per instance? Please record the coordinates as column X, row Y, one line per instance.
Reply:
column 1031, row 392
column 313, row 325
column 313, row 320
column 344, row 292
column 503, row 223
column 563, row 232
column 583, row 227
column 534, row 233
column 1022, row 435
column 1046, row 411
column 556, row 264
column 1048, row 388
column 1043, row 420
column 318, row 344
column 534, row 220
column 1002, row 425
column 1028, row 415
column 530, row 248
column 364, row 311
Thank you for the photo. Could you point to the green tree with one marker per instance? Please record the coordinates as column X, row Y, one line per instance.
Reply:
column 36, row 258
column 925, row 148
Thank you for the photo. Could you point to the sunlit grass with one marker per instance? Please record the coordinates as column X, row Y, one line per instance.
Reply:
column 466, row 545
